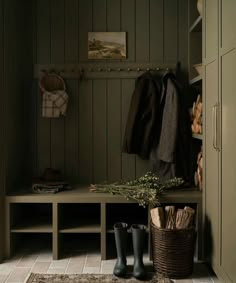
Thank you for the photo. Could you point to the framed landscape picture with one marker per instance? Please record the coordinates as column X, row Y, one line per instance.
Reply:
column 106, row 45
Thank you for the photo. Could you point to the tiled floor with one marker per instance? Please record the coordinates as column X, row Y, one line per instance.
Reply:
column 18, row 268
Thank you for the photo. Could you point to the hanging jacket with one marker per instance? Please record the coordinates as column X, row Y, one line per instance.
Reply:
column 140, row 128
column 157, row 128
column 170, row 155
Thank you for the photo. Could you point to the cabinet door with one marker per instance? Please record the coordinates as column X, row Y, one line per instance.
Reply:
column 228, row 24
column 228, row 232
column 211, row 29
column 211, row 164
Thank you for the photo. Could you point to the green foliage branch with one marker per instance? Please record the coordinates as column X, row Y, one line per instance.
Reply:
column 144, row 190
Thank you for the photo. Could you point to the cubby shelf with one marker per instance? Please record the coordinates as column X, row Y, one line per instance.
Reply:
column 197, row 25
column 32, row 227
column 84, row 212
column 75, row 228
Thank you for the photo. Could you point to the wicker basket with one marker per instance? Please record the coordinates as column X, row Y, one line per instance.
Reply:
column 173, row 251
column 51, row 82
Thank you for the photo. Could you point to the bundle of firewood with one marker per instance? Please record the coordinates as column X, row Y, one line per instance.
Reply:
column 197, row 116
column 198, row 173
column 169, row 217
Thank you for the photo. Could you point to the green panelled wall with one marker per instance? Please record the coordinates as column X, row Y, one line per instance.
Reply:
column 15, row 81
column 2, row 170
column 85, row 145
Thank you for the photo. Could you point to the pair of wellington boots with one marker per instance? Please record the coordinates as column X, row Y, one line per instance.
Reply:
column 138, row 237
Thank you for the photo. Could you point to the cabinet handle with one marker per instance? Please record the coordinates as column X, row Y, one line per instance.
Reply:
column 214, row 125
column 217, row 127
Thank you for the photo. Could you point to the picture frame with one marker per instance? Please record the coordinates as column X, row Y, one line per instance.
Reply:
column 107, row 45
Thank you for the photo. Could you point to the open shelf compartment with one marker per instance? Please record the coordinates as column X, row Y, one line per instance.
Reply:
column 31, row 218
column 79, row 218
column 130, row 213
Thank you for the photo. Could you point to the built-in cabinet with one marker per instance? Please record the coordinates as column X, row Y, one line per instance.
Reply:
column 220, row 103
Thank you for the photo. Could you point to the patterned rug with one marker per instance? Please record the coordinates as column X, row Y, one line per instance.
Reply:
column 90, row 278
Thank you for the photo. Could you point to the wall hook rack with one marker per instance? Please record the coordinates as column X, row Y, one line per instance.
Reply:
column 101, row 70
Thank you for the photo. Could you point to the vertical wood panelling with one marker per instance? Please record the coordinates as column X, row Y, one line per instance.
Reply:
column 2, row 107
column 170, row 30
column 8, row 48
column 34, row 31
column 71, row 31
column 44, row 31
column 58, row 56
column 156, row 30
column 99, row 130
column 15, row 76
column 1, row 53
column 13, row 89
column 57, row 31
column 2, row 214
column 113, row 130
column 33, row 101
column 99, row 15
column 183, row 33
column 2, row 151
column 142, row 166
column 72, row 133
column 85, row 25
column 142, row 52
column 142, row 30
column 128, row 160
column 44, row 56
column 62, row 33
column 113, row 15
column 43, row 137
column 27, row 55
column 128, row 25
column 71, row 120
column 113, row 104
column 85, row 132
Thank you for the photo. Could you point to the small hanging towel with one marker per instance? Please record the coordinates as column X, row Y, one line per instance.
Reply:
column 54, row 104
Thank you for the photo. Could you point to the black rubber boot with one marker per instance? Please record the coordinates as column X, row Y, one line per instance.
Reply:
column 120, row 230
column 138, row 236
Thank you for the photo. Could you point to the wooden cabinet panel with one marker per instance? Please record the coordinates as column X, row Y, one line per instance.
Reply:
column 228, row 164
column 228, row 35
column 212, row 161
column 211, row 29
